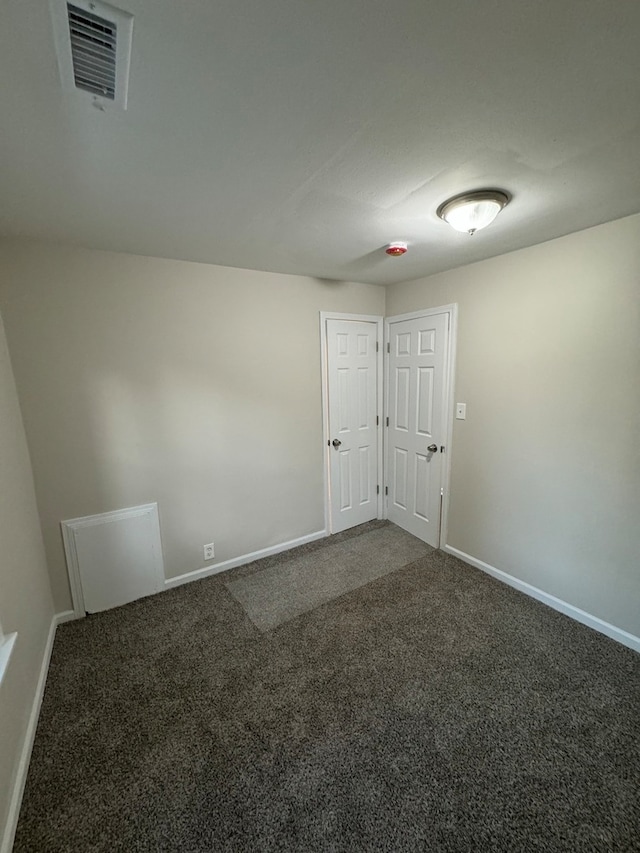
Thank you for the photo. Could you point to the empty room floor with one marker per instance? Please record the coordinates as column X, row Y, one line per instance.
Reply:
column 365, row 692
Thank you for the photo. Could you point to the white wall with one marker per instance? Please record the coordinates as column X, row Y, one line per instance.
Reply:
column 196, row 386
column 25, row 596
column 546, row 468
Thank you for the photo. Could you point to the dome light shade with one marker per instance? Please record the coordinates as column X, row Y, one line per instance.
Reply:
column 470, row 212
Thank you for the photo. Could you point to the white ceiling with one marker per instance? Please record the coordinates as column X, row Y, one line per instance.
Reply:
column 302, row 136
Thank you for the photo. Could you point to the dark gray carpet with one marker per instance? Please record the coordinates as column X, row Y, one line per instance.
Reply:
column 433, row 709
column 278, row 593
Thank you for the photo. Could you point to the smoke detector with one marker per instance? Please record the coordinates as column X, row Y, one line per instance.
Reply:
column 396, row 249
column 93, row 45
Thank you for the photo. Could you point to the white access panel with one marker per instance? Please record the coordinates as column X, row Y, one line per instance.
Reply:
column 114, row 557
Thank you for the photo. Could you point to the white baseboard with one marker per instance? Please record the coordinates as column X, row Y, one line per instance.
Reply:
column 207, row 571
column 618, row 634
column 65, row 616
column 25, row 755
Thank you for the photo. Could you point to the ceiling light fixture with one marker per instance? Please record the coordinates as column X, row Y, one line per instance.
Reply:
column 469, row 212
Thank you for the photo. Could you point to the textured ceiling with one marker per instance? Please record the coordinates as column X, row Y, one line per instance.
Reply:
column 302, row 137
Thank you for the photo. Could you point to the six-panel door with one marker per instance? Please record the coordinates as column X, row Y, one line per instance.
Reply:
column 352, row 385
column 417, row 355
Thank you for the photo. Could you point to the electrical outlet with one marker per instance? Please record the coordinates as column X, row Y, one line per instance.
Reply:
column 209, row 553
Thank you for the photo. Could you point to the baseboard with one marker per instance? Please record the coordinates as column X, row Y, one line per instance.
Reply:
column 65, row 616
column 207, row 571
column 25, row 756
column 618, row 634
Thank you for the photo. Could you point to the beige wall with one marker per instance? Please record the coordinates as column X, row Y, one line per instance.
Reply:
column 546, row 468
column 199, row 387
column 25, row 595
column 196, row 386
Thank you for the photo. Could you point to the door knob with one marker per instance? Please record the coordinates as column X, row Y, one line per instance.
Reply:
column 433, row 448
column 336, row 442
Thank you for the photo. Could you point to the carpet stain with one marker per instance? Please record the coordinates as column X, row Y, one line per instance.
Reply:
column 278, row 593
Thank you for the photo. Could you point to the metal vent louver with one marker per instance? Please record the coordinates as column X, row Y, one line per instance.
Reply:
column 93, row 52
column 93, row 44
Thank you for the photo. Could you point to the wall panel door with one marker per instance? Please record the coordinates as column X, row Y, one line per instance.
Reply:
column 113, row 558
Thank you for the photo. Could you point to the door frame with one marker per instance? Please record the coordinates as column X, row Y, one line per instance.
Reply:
column 449, row 397
column 324, row 353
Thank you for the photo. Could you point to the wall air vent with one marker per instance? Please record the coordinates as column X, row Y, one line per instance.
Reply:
column 93, row 43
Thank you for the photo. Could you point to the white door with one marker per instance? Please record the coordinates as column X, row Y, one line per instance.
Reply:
column 418, row 350
column 353, row 431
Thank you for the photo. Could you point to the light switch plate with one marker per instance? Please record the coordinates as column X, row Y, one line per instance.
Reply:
column 461, row 411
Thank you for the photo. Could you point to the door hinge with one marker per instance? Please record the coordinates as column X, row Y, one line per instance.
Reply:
column 386, row 490
column 388, row 347
column 387, row 421
column 377, row 490
column 377, row 346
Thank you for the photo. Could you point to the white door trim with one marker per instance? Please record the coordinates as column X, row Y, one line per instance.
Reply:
column 449, row 389
column 364, row 318
column 69, row 528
